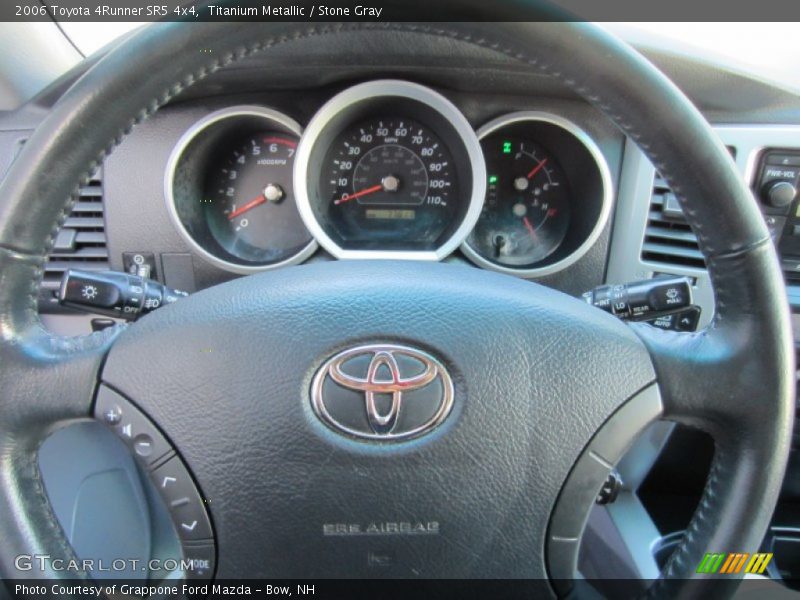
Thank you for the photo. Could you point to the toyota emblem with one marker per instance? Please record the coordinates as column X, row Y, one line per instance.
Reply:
column 382, row 392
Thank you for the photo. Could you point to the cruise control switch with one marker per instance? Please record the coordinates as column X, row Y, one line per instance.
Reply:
column 642, row 299
column 115, row 294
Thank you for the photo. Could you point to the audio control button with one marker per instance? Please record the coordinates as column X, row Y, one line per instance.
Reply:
column 780, row 194
column 199, row 559
column 185, row 505
column 128, row 422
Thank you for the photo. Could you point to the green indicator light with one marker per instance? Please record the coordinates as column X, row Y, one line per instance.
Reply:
column 506, row 147
column 493, row 179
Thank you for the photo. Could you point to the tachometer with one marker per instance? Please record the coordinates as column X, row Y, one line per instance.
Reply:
column 250, row 201
column 230, row 190
column 389, row 169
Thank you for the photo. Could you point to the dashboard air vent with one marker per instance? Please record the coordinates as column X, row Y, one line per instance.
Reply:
column 81, row 241
column 668, row 238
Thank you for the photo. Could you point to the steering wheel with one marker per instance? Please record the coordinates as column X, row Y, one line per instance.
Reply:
column 542, row 383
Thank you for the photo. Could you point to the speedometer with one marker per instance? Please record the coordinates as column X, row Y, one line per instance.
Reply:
column 389, row 183
column 389, row 169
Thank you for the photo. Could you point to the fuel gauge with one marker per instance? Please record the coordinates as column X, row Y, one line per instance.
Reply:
column 526, row 213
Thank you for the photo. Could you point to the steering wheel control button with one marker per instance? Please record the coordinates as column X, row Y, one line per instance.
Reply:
column 382, row 392
column 112, row 416
column 143, row 445
column 200, row 559
column 185, row 504
column 131, row 425
column 610, row 490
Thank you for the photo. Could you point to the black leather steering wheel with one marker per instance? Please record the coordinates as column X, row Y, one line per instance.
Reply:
column 536, row 373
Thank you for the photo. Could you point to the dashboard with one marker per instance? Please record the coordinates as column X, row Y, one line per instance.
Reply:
column 387, row 169
column 385, row 150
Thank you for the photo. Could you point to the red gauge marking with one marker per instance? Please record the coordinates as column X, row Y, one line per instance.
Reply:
column 530, row 228
column 369, row 190
column 280, row 140
column 552, row 212
column 243, row 209
column 537, row 168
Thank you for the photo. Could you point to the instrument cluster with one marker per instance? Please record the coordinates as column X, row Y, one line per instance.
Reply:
column 387, row 169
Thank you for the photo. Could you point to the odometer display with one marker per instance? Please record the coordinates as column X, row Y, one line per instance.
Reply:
column 388, row 183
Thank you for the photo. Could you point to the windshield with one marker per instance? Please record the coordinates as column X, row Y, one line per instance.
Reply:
column 765, row 50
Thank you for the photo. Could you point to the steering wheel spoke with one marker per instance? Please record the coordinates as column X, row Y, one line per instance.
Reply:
column 683, row 362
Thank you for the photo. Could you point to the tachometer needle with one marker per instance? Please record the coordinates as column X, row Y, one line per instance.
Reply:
column 530, row 228
column 243, row 209
column 537, row 168
column 369, row 190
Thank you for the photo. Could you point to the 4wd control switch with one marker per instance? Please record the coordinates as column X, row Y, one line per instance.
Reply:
column 115, row 294
column 641, row 299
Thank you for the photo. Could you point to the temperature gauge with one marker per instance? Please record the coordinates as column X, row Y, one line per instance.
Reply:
column 526, row 213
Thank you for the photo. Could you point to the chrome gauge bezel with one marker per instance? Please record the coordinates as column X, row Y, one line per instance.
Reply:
column 606, row 195
column 342, row 108
column 274, row 119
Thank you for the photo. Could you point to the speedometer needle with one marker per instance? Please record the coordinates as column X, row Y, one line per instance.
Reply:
column 537, row 168
column 370, row 190
column 243, row 209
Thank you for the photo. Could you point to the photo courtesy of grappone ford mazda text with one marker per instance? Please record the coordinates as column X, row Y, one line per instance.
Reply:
column 393, row 299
